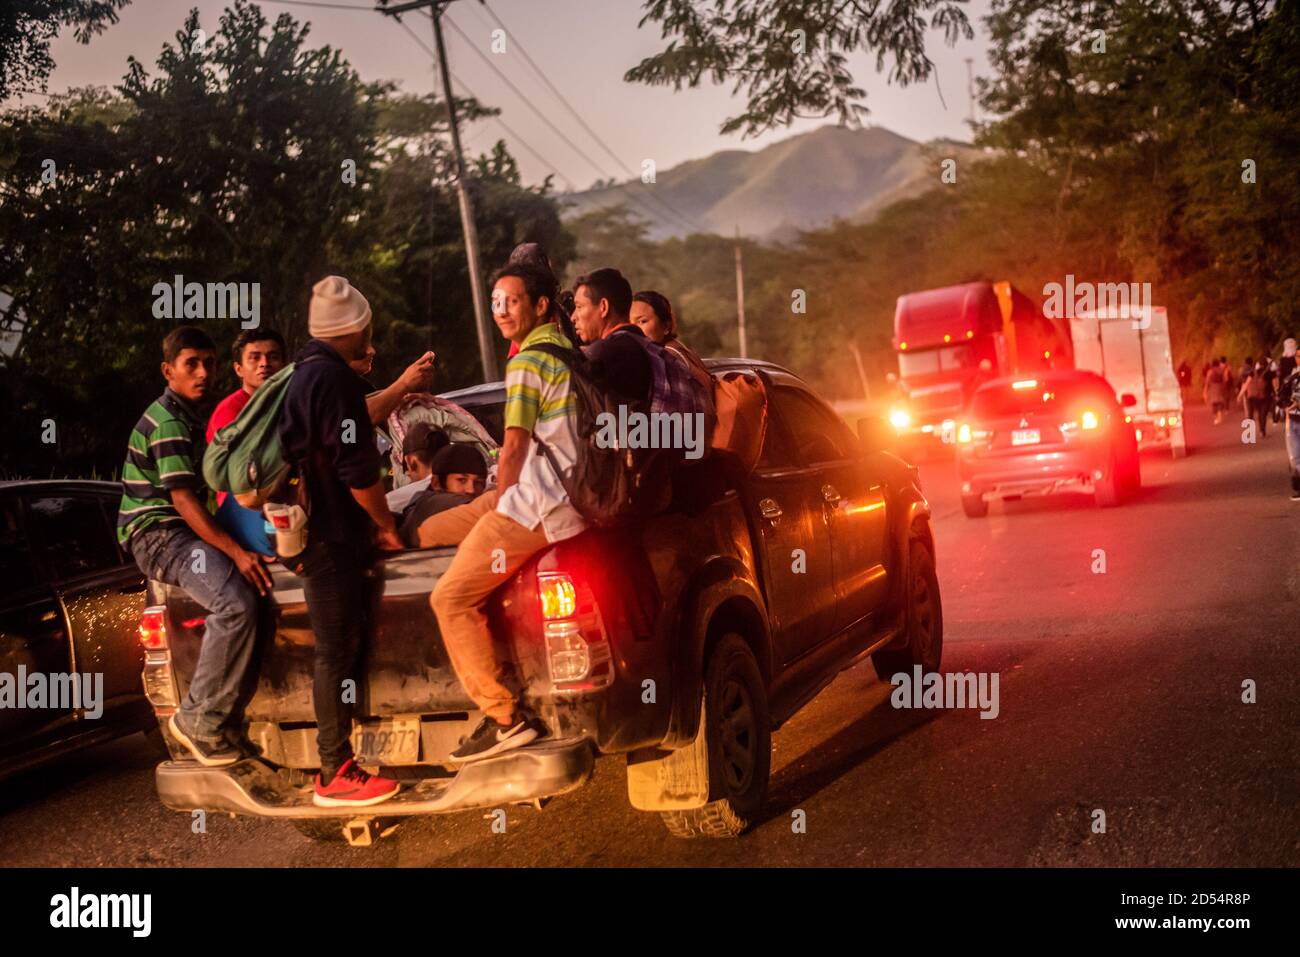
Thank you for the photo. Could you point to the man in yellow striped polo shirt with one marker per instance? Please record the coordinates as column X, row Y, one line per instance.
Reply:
column 528, row 510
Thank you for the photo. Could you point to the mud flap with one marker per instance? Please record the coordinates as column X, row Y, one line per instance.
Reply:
column 670, row 780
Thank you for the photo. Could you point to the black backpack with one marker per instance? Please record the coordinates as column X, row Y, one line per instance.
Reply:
column 608, row 486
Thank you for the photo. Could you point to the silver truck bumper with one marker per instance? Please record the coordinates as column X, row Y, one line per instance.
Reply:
column 255, row 788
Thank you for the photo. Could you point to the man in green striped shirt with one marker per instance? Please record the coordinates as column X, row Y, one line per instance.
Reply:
column 165, row 523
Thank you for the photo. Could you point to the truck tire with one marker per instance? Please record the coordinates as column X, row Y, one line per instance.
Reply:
column 738, row 734
column 924, row 620
column 974, row 506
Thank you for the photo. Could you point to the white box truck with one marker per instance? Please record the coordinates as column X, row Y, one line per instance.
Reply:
column 1129, row 348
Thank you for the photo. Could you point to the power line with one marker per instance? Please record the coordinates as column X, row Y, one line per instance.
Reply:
column 542, row 116
column 583, row 123
column 323, row 6
column 465, row 89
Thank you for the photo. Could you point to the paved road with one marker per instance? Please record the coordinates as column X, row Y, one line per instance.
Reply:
column 1120, row 692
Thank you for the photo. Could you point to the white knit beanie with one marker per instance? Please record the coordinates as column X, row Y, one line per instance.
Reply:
column 337, row 309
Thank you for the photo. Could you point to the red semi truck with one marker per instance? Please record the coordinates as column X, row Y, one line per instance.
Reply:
column 951, row 340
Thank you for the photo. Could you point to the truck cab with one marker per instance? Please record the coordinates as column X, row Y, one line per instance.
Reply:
column 950, row 341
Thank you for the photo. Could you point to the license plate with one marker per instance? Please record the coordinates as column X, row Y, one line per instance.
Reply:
column 1024, row 437
column 392, row 741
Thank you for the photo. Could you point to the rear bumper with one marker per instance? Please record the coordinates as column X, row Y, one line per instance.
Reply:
column 1031, row 471
column 255, row 788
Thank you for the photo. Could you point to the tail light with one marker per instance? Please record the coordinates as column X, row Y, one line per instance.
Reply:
column 159, row 683
column 559, row 597
column 963, row 433
column 1022, row 384
column 153, row 628
column 1089, row 420
column 577, row 646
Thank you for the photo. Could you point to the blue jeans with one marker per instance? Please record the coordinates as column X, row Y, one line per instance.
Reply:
column 1293, row 449
column 167, row 554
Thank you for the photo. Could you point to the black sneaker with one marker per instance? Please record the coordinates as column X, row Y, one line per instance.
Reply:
column 490, row 738
column 211, row 754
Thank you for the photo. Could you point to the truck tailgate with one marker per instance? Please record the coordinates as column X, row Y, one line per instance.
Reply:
column 405, row 666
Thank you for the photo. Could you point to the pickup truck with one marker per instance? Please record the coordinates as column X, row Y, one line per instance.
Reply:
column 680, row 645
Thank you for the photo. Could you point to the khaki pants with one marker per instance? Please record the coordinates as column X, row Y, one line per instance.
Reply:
column 451, row 527
column 492, row 548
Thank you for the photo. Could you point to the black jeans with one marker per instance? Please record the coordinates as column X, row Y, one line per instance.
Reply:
column 337, row 591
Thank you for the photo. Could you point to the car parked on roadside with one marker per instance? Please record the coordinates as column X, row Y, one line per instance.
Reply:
column 70, row 604
column 678, row 645
column 1049, row 432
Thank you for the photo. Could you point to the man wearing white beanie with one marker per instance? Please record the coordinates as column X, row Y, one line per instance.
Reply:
column 326, row 430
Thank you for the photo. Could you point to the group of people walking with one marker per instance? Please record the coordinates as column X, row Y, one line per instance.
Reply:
column 1265, row 389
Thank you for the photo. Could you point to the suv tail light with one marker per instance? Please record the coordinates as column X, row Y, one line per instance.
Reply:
column 577, row 646
column 159, row 683
column 559, row 597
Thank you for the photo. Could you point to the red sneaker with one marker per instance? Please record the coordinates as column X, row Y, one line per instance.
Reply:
column 352, row 787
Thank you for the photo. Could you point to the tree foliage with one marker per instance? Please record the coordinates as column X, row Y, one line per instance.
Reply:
column 27, row 27
column 229, row 162
column 790, row 57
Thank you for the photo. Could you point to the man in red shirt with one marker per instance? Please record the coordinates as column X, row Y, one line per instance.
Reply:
column 259, row 354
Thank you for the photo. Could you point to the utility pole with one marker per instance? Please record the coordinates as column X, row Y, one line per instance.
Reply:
column 486, row 347
column 740, row 299
column 970, row 86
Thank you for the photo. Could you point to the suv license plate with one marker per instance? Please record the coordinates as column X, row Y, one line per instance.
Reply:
column 1024, row 437
column 392, row 741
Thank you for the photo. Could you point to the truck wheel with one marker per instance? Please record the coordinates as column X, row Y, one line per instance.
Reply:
column 738, row 734
column 974, row 506
column 924, row 616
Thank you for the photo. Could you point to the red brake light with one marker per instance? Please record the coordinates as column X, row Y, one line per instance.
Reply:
column 153, row 628
column 1025, row 384
column 558, row 596
column 1089, row 420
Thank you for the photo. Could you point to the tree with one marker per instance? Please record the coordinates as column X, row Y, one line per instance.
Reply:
column 791, row 56
column 28, row 26
column 249, row 157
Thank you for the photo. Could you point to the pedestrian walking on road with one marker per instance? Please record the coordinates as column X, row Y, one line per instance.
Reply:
column 1215, row 392
column 1256, row 394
